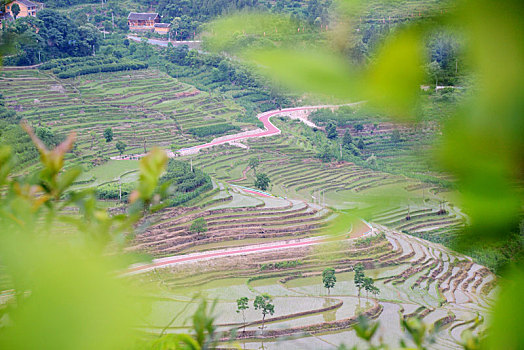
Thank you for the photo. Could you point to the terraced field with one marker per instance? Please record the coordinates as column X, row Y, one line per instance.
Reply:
column 145, row 108
column 415, row 278
column 295, row 171
column 236, row 216
column 432, row 224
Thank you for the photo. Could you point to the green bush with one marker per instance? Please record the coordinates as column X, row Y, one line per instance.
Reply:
column 216, row 129
column 198, row 226
column 75, row 66
column 111, row 191
column 280, row 265
column 184, row 183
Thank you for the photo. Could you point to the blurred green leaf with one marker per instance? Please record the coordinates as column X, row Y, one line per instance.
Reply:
column 505, row 331
column 393, row 80
column 72, row 299
column 151, row 167
column 308, row 71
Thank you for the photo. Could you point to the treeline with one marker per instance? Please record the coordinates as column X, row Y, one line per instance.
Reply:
column 51, row 35
column 188, row 16
column 215, row 129
column 67, row 3
column 60, row 64
column 70, row 68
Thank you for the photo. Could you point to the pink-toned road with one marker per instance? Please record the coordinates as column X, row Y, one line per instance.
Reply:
column 270, row 130
column 359, row 230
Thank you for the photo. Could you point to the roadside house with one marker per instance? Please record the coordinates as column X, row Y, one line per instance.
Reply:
column 162, row 28
column 142, row 21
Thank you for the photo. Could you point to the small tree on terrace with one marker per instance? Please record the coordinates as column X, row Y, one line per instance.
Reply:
column 434, row 71
column 331, row 130
column 328, row 278
column 253, row 163
column 93, row 138
column 262, row 181
column 347, row 140
column 198, row 226
column 359, row 277
column 395, row 136
column 242, row 306
column 361, row 144
column 108, row 134
column 369, row 286
column 121, row 147
column 263, row 303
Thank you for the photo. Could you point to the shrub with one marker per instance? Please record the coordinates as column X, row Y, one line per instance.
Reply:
column 198, row 226
column 216, row 129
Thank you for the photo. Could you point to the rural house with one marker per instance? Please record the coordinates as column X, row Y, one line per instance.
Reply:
column 27, row 8
column 142, row 21
column 162, row 28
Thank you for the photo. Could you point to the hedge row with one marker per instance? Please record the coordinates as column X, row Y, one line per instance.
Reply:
column 216, row 129
column 111, row 67
column 185, row 184
column 112, row 191
column 60, row 62
column 90, row 63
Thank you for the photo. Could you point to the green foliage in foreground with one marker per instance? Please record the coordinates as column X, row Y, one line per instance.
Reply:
column 418, row 335
column 56, row 265
column 216, row 129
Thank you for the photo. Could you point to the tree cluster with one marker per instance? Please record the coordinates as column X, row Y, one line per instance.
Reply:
column 51, row 35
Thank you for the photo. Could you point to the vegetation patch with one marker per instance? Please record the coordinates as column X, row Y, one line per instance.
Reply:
column 184, row 181
column 73, row 67
column 216, row 129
